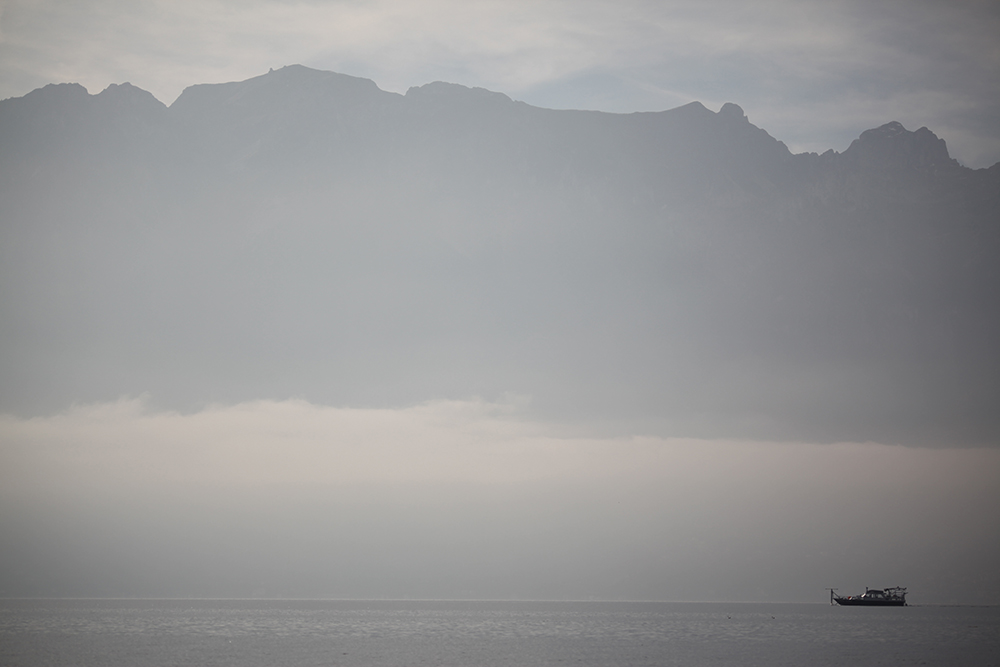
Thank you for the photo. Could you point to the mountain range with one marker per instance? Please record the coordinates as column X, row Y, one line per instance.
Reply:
column 306, row 234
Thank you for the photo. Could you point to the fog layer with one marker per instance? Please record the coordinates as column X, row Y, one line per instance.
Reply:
column 470, row 500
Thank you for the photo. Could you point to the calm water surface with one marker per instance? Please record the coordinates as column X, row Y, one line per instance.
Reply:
column 252, row 633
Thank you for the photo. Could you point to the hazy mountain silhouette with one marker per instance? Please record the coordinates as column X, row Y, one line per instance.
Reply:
column 306, row 233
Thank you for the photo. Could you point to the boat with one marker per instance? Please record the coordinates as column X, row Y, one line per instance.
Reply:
column 872, row 597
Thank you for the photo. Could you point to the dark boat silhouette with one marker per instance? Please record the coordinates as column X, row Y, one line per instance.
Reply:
column 872, row 597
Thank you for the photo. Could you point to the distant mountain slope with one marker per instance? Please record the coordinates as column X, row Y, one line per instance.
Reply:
column 305, row 233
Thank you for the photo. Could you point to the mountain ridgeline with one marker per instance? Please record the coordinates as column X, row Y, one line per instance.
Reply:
column 304, row 233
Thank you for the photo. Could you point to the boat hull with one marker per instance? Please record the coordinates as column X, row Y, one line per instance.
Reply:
column 859, row 602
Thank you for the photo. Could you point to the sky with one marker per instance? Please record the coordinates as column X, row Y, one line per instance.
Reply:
column 471, row 497
column 813, row 74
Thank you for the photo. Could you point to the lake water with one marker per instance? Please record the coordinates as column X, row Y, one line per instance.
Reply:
column 251, row 633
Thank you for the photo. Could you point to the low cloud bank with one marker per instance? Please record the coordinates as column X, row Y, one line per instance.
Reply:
column 469, row 499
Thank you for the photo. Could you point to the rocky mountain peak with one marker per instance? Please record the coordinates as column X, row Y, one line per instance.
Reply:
column 277, row 92
column 732, row 111
column 893, row 144
column 125, row 95
column 58, row 91
column 440, row 92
